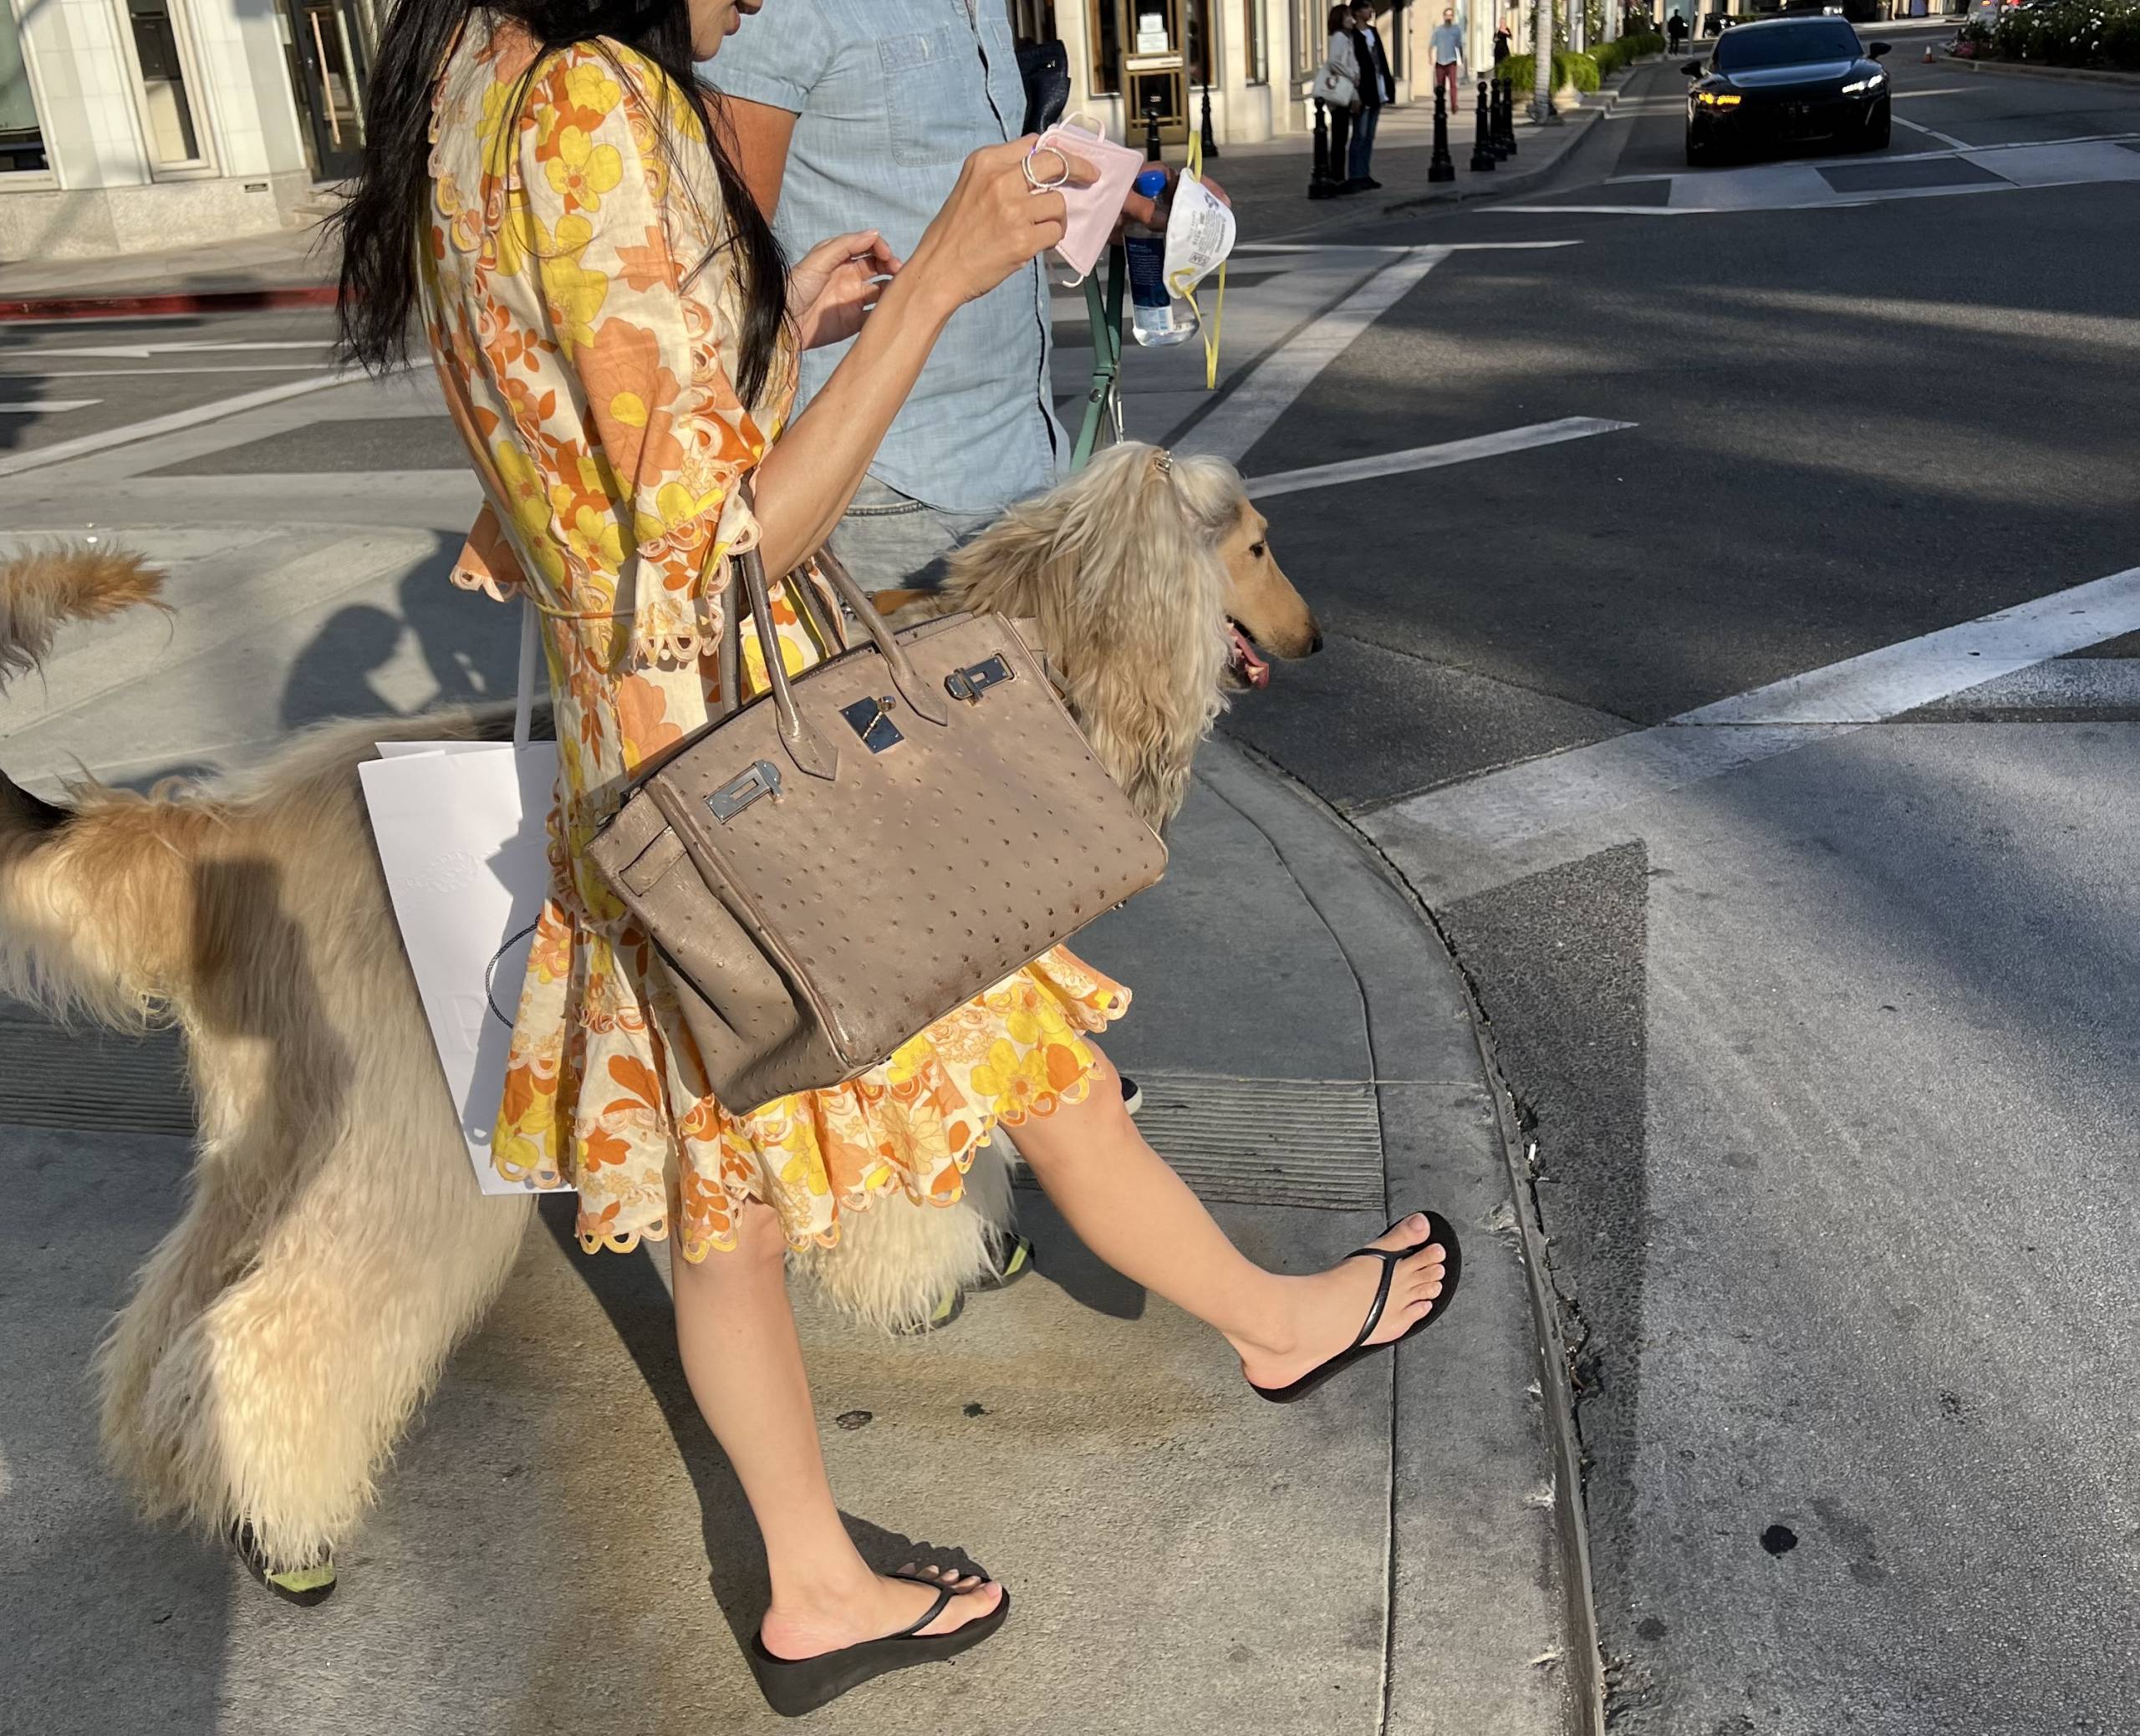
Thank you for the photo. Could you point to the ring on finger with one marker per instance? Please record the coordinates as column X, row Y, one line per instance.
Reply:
column 1053, row 182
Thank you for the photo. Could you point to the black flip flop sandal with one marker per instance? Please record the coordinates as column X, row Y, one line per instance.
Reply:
column 794, row 1686
column 307, row 1588
column 1438, row 1230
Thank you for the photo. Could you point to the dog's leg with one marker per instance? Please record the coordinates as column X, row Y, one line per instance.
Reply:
column 279, row 1404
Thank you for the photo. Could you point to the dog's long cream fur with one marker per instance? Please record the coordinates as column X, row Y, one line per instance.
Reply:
column 335, row 1247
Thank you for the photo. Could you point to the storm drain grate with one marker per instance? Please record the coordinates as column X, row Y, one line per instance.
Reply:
column 1313, row 1142
column 54, row 1078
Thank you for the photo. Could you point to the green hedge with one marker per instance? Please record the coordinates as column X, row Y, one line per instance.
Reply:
column 1628, row 50
column 2062, row 33
column 1579, row 70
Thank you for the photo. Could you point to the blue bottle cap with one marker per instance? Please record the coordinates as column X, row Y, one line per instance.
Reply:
column 1153, row 181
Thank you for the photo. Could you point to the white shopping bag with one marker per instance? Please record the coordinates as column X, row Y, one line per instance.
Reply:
column 459, row 827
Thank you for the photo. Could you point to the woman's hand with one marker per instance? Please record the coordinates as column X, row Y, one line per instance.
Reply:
column 832, row 287
column 994, row 222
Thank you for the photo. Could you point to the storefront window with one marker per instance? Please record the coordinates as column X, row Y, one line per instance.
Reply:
column 1033, row 21
column 22, row 139
column 1106, row 37
column 173, row 141
column 1199, row 42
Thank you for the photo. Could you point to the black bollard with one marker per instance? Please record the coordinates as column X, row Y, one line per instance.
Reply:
column 1441, row 166
column 1508, row 119
column 1318, row 179
column 1494, row 143
column 1482, row 153
column 1211, row 140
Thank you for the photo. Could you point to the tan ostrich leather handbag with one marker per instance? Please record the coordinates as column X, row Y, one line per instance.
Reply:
column 831, row 869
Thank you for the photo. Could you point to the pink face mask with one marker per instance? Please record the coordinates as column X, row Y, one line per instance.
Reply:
column 1090, row 211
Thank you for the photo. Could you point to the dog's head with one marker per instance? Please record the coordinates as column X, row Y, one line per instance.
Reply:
column 1152, row 586
column 1266, row 616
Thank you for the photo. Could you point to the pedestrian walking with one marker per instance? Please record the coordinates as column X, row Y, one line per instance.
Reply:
column 1675, row 30
column 617, row 334
column 1446, row 51
column 1377, row 88
column 1337, row 85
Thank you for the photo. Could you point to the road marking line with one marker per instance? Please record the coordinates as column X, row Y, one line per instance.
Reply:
column 1929, row 132
column 146, row 352
column 1502, row 809
column 60, row 451
column 1608, row 211
column 47, row 407
column 154, row 372
column 1269, row 390
column 1422, row 458
column 1452, row 246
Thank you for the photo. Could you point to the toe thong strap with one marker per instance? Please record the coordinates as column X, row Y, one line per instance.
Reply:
column 945, row 1594
column 1389, row 1257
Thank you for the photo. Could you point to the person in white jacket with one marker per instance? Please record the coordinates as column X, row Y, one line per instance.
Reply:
column 1340, row 76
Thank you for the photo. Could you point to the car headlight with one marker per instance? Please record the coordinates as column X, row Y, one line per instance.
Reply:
column 1859, row 87
column 1716, row 99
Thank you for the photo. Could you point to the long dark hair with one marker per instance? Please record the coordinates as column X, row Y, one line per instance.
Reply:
column 380, row 225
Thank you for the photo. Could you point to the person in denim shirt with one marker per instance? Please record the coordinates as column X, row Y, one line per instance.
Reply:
column 858, row 113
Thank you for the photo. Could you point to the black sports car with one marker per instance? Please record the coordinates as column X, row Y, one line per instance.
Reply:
column 1788, row 81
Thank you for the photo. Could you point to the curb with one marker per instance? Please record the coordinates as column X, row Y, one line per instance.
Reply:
column 1583, row 121
column 2023, row 69
column 205, row 301
column 1585, row 1677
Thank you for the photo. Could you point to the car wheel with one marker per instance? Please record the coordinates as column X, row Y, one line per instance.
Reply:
column 1881, row 129
column 1701, row 152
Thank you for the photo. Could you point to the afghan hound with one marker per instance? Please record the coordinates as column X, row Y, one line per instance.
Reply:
column 335, row 1248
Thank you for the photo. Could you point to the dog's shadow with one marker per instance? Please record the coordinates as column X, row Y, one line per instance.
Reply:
column 630, row 1292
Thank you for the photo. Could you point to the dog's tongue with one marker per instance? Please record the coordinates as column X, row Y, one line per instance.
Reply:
column 1254, row 670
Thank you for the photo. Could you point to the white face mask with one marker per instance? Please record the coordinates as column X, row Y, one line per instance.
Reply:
column 1199, row 235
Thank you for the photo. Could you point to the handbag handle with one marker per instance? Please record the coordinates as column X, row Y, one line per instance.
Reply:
column 912, row 688
column 811, row 752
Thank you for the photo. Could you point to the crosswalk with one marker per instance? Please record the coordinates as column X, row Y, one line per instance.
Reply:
column 1840, row 182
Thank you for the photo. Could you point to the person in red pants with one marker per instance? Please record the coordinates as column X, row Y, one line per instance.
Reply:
column 1445, row 51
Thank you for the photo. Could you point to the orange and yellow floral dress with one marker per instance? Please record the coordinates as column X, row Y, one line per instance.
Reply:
column 585, row 329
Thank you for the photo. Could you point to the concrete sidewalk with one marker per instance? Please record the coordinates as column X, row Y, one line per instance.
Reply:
column 561, row 1543
column 1267, row 184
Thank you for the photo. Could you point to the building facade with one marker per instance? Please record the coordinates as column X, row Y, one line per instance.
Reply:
column 127, row 124
column 1251, row 57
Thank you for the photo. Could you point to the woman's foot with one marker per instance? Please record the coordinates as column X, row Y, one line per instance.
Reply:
column 1326, row 1311
column 876, row 1607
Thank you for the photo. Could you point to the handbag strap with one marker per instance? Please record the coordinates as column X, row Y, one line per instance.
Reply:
column 523, row 698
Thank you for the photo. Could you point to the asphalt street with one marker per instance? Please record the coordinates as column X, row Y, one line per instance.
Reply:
column 1818, row 1009
column 1829, row 1059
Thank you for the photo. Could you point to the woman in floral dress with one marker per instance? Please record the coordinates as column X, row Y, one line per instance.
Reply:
column 615, row 334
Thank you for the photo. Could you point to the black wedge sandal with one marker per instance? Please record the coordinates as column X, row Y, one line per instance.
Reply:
column 795, row 1686
column 1438, row 1230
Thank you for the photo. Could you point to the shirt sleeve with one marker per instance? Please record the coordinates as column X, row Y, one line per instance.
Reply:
column 778, row 57
column 624, row 255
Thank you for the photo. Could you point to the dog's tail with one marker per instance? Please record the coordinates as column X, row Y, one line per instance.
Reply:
column 81, row 887
column 41, row 590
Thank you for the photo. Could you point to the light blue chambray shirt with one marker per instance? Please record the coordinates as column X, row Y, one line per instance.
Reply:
column 890, row 97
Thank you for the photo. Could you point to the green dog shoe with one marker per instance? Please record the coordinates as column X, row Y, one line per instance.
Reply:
column 304, row 1587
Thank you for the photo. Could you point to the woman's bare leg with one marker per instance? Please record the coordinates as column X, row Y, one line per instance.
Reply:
column 744, row 1361
column 1139, row 1216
